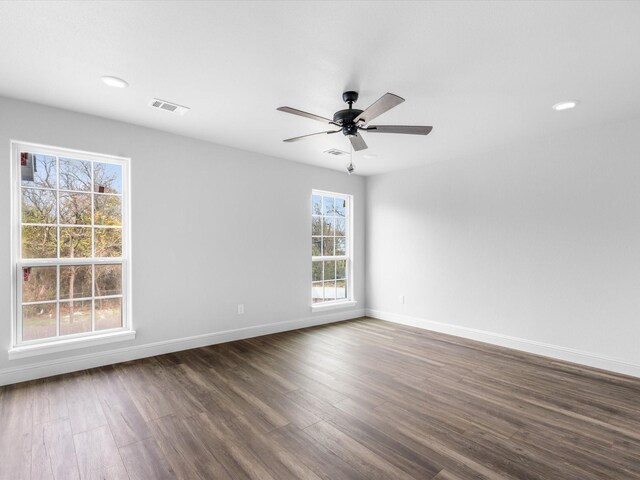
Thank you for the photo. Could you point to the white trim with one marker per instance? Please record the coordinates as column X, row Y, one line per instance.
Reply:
column 332, row 305
column 531, row 346
column 66, row 152
column 81, row 362
column 69, row 344
column 70, row 225
column 332, row 194
column 319, row 258
column 52, row 262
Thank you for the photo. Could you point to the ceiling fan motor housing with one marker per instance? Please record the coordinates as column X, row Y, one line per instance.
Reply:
column 346, row 117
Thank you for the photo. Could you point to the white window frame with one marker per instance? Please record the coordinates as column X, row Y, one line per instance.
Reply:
column 21, row 348
column 350, row 300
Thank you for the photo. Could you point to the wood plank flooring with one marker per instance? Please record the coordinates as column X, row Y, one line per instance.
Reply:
column 362, row 399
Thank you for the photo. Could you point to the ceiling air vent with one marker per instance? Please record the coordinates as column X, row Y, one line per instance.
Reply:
column 335, row 152
column 168, row 106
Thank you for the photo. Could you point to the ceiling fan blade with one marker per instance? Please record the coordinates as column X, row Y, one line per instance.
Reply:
column 383, row 104
column 358, row 142
column 408, row 129
column 295, row 139
column 295, row 111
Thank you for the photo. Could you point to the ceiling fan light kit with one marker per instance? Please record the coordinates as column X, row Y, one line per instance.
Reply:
column 353, row 122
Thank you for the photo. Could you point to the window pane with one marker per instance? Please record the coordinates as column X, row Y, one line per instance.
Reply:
column 38, row 206
column 316, row 268
column 317, row 295
column 329, row 269
column 316, row 205
column 108, row 313
column 108, row 280
column 108, row 210
column 316, row 246
column 75, row 242
column 341, row 269
column 38, row 284
column 329, row 291
column 107, row 178
column 75, row 208
column 341, row 289
column 340, row 207
column 75, row 317
column 328, row 226
column 327, row 203
column 41, row 172
column 39, row 242
column 316, row 225
column 75, row 174
column 340, row 246
column 75, row 281
column 327, row 246
column 340, row 228
column 108, row 242
column 38, row 321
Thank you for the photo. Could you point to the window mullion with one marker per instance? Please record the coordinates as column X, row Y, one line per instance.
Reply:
column 93, row 222
column 93, row 248
column 46, row 262
column 18, row 321
column 57, row 300
column 57, row 206
column 58, row 245
column 93, row 296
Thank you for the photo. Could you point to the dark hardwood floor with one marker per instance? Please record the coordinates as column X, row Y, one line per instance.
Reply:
column 362, row 399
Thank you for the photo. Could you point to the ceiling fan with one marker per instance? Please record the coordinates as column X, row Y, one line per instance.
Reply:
column 353, row 122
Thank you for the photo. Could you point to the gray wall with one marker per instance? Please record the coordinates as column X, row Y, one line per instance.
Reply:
column 535, row 246
column 537, row 242
column 212, row 227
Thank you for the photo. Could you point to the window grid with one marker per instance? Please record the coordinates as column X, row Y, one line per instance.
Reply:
column 116, row 318
column 330, row 247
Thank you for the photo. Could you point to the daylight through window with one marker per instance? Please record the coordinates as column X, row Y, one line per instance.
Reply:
column 71, row 260
column 330, row 247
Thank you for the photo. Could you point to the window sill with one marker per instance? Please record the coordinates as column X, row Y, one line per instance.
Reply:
column 69, row 344
column 333, row 305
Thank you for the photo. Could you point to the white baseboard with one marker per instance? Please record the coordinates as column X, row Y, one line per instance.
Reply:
column 530, row 346
column 74, row 363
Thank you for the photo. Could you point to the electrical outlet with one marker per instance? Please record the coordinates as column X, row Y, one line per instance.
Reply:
column 241, row 309
column 401, row 299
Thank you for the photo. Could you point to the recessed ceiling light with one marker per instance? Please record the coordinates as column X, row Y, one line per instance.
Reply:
column 114, row 82
column 565, row 105
column 369, row 155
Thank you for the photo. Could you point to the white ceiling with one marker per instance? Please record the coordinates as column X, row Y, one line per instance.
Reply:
column 484, row 74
